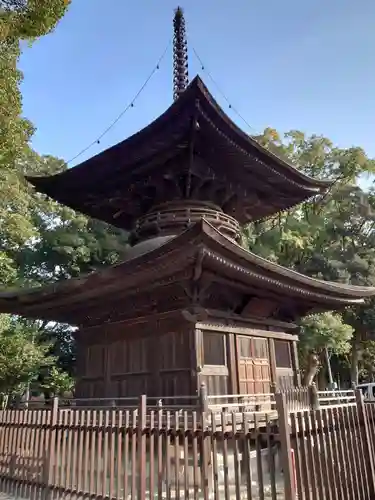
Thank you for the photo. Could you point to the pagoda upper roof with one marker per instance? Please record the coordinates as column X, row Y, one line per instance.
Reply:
column 162, row 261
column 194, row 136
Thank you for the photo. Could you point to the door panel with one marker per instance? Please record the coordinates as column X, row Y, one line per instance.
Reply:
column 254, row 373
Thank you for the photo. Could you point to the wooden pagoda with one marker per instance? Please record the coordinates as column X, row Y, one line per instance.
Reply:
column 187, row 304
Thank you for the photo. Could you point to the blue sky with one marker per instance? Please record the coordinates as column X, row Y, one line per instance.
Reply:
column 289, row 64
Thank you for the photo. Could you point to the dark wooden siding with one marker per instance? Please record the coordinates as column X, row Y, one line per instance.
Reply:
column 159, row 364
column 129, row 367
column 175, row 363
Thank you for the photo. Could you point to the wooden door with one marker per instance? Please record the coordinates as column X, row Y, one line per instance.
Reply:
column 214, row 371
column 254, row 374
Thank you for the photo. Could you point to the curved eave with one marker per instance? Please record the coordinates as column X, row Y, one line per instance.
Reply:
column 78, row 186
column 53, row 302
column 273, row 273
column 249, row 145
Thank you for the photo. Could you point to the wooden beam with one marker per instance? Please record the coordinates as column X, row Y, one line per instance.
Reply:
column 246, row 331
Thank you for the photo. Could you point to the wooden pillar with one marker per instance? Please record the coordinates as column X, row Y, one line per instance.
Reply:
column 232, row 357
column 295, row 364
column 272, row 355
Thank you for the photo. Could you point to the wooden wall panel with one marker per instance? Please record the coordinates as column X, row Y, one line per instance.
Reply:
column 175, row 368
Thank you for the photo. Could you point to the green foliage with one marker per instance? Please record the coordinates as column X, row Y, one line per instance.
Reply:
column 58, row 382
column 41, row 242
column 326, row 330
column 22, row 357
column 29, row 19
column 330, row 237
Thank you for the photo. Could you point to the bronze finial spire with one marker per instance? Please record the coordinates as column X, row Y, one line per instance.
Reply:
column 180, row 55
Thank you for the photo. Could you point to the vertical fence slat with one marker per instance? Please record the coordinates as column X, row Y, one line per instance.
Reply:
column 133, row 475
column 310, row 454
column 177, row 455
column 81, row 425
column 59, row 437
column 367, row 434
column 86, row 454
column 160, row 440
column 343, row 454
column 331, row 469
column 106, row 432
column 119, row 471
column 295, row 431
column 225, row 458
column 337, row 457
column 93, row 451
column 286, row 450
column 323, row 453
column 247, row 455
column 258, row 451
column 236, row 459
column 204, row 456
column 359, row 458
column 127, row 465
column 186, row 456
column 271, row 458
column 214, row 447
column 195, row 455
column 113, row 454
column 142, row 447
column 18, row 420
column 69, row 453
column 349, row 434
column 50, row 450
column 317, row 452
column 99, row 458
column 152, row 451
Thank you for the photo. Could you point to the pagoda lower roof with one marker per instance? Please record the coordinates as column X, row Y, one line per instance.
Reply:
column 161, row 261
column 194, row 137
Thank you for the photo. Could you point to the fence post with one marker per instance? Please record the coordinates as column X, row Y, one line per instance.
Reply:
column 286, row 448
column 362, row 417
column 203, row 398
column 141, row 443
column 50, row 450
column 313, row 397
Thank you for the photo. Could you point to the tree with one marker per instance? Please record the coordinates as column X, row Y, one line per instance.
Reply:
column 20, row 20
column 329, row 237
column 57, row 382
column 318, row 333
column 21, row 356
column 63, row 245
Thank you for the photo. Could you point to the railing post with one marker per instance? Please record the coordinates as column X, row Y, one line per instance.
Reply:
column 203, row 398
column 362, row 417
column 141, row 443
column 50, row 450
column 313, row 397
column 286, row 448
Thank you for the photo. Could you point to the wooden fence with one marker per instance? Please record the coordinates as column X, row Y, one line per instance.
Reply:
column 307, row 446
column 328, row 451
